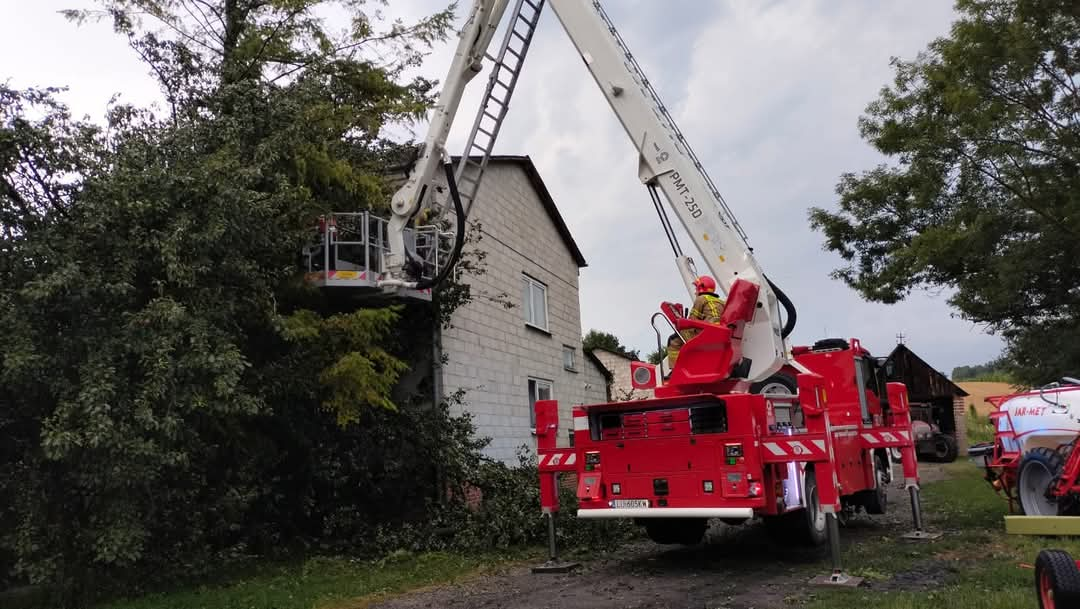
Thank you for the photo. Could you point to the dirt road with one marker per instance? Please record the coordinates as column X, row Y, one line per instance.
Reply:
column 738, row 568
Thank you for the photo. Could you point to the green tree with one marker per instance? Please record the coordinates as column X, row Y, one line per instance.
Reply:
column 994, row 370
column 596, row 339
column 983, row 195
column 657, row 356
column 171, row 393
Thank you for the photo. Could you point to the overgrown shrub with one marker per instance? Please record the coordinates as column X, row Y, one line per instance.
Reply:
column 507, row 515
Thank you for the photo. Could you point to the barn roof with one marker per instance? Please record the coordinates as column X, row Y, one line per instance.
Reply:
column 924, row 382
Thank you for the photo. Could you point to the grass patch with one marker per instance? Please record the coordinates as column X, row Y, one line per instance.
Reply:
column 328, row 583
column 981, row 563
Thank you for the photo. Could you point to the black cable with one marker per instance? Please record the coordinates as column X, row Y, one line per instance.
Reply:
column 459, row 209
column 789, row 308
column 664, row 220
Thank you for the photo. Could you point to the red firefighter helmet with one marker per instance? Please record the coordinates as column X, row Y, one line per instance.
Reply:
column 705, row 284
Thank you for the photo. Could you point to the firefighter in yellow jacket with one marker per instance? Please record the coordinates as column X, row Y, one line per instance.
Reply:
column 707, row 307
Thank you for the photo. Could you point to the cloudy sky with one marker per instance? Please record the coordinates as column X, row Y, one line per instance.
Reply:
column 768, row 93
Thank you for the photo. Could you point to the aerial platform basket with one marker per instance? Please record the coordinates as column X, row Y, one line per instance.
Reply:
column 350, row 250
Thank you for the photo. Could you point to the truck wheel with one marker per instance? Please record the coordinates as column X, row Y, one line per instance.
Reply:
column 813, row 532
column 1039, row 468
column 1057, row 579
column 944, row 448
column 876, row 500
column 781, row 382
column 684, row 531
column 802, row 527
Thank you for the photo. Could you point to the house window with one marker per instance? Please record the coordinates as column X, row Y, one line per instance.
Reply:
column 539, row 389
column 534, row 302
column 569, row 357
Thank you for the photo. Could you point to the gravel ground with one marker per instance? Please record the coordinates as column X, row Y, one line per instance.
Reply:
column 737, row 568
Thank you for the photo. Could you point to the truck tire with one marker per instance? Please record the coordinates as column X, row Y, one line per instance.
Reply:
column 804, row 527
column 681, row 531
column 1039, row 468
column 781, row 382
column 1057, row 580
column 828, row 344
column 944, row 448
column 876, row 500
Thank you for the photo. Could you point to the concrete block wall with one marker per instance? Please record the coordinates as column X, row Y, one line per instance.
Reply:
column 619, row 367
column 491, row 352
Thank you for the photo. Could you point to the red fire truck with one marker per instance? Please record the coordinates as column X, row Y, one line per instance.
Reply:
column 744, row 425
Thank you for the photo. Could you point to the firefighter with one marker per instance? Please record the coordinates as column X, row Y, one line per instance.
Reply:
column 707, row 307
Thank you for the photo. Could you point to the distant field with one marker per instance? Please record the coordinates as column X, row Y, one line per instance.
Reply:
column 978, row 392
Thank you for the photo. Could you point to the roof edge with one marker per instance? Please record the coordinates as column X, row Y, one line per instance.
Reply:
column 545, row 199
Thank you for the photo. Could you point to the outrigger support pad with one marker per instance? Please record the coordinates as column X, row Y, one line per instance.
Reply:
column 553, row 564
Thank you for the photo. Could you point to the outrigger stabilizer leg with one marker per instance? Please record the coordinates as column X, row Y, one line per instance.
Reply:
column 911, row 480
column 812, row 398
column 550, row 465
column 837, row 577
column 553, row 564
column 916, row 516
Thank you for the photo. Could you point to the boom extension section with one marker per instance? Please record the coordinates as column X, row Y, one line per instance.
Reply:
column 666, row 161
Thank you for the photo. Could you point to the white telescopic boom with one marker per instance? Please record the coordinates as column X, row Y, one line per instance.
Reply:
column 666, row 160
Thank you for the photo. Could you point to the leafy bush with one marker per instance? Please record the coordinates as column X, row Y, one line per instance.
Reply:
column 506, row 515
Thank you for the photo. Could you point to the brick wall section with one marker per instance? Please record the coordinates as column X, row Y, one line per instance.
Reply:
column 491, row 352
column 960, row 417
column 619, row 367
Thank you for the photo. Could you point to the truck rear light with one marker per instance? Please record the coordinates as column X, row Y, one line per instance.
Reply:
column 616, row 488
column 733, row 450
column 707, row 486
column 755, row 489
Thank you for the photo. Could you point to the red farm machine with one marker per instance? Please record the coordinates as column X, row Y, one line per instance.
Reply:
column 1032, row 461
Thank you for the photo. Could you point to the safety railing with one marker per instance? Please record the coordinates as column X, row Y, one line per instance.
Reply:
column 358, row 241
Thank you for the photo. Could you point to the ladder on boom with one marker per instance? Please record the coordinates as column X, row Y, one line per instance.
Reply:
column 726, row 216
column 489, row 119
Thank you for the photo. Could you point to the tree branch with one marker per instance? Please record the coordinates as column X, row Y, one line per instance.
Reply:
column 352, row 45
column 267, row 39
column 204, row 23
column 1042, row 213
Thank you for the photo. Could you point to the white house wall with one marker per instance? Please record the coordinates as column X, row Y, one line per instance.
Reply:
column 491, row 352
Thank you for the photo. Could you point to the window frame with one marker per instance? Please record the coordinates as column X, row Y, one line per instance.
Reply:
column 572, row 352
column 532, row 386
column 531, row 283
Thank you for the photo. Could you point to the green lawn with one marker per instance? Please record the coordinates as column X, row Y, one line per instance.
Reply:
column 981, row 563
column 326, row 583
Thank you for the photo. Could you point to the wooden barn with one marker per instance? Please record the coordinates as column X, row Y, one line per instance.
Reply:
column 934, row 398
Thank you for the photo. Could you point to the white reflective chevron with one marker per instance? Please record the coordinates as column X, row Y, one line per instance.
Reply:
column 571, row 459
column 869, row 437
column 820, row 444
column 775, row 449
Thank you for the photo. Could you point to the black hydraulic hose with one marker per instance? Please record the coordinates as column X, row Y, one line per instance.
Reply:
column 459, row 209
column 789, row 308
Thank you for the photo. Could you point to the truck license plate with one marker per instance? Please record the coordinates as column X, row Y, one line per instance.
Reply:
column 630, row 503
